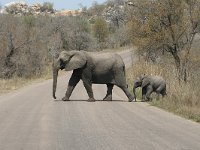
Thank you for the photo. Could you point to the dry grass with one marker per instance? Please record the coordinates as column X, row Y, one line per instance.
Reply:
column 7, row 85
column 182, row 98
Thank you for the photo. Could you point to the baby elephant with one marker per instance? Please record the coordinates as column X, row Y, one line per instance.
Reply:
column 150, row 84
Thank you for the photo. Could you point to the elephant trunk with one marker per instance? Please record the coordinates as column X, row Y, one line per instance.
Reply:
column 55, row 76
column 134, row 92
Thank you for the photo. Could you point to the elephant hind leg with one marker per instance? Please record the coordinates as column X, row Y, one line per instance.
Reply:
column 149, row 91
column 88, row 87
column 161, row 91
column 108, row 96
column 128, row 94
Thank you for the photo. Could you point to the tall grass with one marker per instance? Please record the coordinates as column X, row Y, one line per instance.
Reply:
column 182, row 98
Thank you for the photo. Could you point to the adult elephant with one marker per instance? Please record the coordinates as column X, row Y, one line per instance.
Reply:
column 91, row 67
column 150, row 84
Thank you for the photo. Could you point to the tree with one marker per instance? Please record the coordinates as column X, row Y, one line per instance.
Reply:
column 166, row 25
column 74, row 32
column 23, row 50
column 115, row 13
column 79, row 37
column 47, row 7
column 97, row 9
column 100, row 29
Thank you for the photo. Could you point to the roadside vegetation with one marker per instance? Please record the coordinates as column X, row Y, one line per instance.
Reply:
column 182, row 98
column 14, row 83
column 30, row 42
column 165, row 32
column 167, row 36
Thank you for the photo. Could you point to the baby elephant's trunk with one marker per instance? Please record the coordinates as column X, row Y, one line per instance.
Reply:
column 134, row 92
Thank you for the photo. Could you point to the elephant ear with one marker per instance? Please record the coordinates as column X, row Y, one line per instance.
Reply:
column 74, row 60
column 145, row 82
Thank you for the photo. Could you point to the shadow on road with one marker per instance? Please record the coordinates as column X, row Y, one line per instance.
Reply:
column 76, row 100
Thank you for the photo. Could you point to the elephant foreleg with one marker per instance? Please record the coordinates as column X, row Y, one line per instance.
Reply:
column 144, row 91
column 108, row 96
column 71, row 85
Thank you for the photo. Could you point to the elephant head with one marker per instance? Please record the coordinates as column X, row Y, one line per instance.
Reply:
column 68, row 60
column 141, row 81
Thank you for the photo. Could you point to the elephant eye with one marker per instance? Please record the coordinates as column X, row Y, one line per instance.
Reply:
column 62, row 64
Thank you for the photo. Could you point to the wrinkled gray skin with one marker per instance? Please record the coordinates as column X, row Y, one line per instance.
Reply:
column 91, row 67
column 150, row 84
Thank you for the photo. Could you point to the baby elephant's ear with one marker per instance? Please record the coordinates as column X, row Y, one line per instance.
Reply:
column 142, row 76
column 145, row 82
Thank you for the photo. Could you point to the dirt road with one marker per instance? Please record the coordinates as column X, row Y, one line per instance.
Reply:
column 31, row 120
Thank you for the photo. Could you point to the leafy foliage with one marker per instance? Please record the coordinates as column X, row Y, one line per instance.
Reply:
column 167, row 25
column 100, row 29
